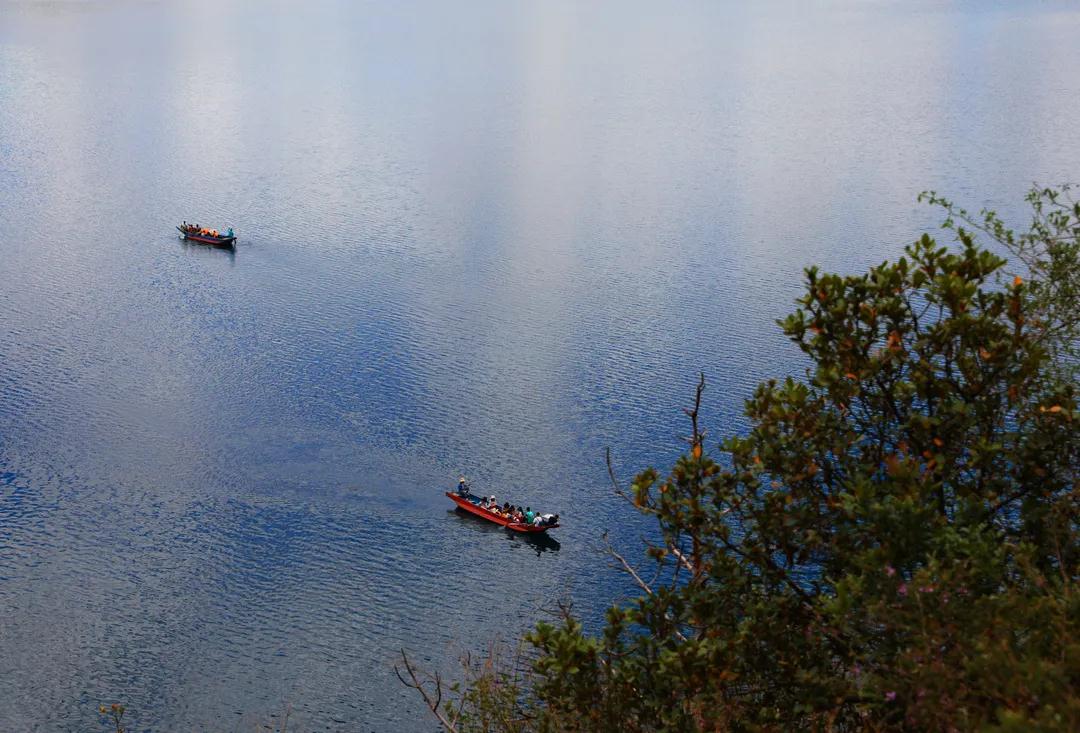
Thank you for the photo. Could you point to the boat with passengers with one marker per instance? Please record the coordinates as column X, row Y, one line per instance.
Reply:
column 196, row 233
column 486, row 509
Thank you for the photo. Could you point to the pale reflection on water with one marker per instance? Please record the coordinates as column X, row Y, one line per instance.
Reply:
column 490, row 237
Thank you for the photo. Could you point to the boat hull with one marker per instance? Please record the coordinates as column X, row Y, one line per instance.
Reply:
column 207, row 238
column 502, row 521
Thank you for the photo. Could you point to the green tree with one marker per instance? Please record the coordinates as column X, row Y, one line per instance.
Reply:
column 892, row 546
column 1048, row 254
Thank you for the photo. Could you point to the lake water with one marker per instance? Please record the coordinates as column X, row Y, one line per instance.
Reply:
column 481, row 237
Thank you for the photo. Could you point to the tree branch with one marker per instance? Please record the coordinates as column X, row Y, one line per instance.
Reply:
column 415, row 683
column 628, row 568
column 619, row 490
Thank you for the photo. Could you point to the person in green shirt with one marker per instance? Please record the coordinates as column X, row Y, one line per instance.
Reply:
column 529, row 515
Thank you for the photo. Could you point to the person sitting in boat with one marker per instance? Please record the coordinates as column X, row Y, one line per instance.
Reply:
column 549, row 520
column 462, row 487
column 491, row 505
column 529, row 515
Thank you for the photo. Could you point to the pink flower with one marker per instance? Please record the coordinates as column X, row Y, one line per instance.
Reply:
column 926, row 589
column 890, row 570
column 902, row 589
column 890, row 696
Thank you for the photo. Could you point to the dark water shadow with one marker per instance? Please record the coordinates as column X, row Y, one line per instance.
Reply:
column 196, row 249
column 538, row 543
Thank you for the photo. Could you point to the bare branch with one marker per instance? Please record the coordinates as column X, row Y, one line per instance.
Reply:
column 637, row 579
column 626, row 566
column 698, row 435
column 415, row 683
column 683, row 559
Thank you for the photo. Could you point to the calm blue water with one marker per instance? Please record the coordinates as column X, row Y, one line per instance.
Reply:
column 481, row 237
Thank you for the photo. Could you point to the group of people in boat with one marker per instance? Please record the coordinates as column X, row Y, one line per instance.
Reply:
column 515, row 514
column 196, row 229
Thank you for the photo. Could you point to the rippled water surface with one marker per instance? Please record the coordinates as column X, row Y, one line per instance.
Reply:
column 482, row 237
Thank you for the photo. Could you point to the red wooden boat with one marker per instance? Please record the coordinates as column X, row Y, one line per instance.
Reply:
column 206, row 236
column 471, row 504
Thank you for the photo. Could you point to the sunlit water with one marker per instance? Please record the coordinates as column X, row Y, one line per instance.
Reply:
column 481, row 237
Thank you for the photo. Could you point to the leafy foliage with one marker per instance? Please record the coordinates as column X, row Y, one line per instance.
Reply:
column 1048, row 254
column 115, row 715
column 892, row 546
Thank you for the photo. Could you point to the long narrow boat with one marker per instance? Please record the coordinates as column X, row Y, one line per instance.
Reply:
column 206, row 236
column 472, row 504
